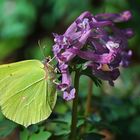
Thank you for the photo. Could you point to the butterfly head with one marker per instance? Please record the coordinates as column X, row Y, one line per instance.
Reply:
column 50, row 70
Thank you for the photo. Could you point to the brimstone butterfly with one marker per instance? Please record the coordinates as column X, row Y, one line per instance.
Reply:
column 27, row 91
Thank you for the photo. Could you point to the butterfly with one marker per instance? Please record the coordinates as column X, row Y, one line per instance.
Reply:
column 27, row 92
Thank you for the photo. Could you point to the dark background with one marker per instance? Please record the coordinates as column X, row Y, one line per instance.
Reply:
column 23, row 23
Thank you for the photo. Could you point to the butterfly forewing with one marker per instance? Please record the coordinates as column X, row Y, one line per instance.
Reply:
column 24, row 92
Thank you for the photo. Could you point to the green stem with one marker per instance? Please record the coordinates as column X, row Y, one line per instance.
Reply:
column 75, row 107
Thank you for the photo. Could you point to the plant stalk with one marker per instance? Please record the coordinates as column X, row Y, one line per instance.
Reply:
column 75, row 108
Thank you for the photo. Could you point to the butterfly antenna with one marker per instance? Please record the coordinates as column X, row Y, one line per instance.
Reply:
column 41, row 49
column 48, row 63
column 51, row 59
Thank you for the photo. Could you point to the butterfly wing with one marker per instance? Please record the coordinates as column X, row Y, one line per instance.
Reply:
column 26, row 96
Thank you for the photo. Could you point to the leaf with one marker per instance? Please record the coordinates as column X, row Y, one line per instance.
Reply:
column 24, row 135
column 80, row 122
column 88, row 72
column 62, row 125
column 27, row 92
column 6, row 127
column 33, row 128
column 64, row 120
column 92, row 136
column 61, row 121
column 62, row 132
column 1, row 116
column 42, row 135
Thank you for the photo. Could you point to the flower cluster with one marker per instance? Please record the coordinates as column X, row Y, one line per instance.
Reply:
column 97, row 40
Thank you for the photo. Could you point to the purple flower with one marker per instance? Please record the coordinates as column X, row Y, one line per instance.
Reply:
column 124, row 16
column 69, row 95
column 98, row 41
column 125, row 58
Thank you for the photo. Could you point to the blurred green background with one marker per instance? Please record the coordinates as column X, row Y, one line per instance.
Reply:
column 114, row 112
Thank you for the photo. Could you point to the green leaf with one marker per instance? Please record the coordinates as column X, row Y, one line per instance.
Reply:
column 80, row 122
column 24, row 135
column 42, row 135
column 92, row 136
column 62, row 125
column 1, row 116
column 88, row 72
column 6, row 127
column 59, row 120
column 33, row 128
column 62, row 132
column 64, row 120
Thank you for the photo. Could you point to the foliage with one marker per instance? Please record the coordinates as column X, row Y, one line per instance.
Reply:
column 6, row 126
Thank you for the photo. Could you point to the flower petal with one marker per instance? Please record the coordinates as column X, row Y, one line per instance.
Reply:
column 69, row 95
